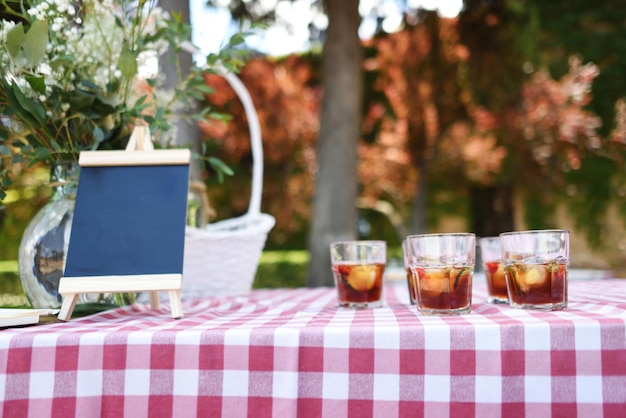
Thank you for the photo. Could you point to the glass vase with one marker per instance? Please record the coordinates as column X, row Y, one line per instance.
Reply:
column 43, row 249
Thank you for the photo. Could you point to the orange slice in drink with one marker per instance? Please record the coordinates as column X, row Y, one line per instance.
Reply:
column 435, row 280
column 362, row 278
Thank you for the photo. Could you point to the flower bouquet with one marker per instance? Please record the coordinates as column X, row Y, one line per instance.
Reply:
column 78, row 75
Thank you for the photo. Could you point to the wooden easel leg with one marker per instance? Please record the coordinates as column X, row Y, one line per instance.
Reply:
column 154, row 300
column 175, row 304
column 67, row 307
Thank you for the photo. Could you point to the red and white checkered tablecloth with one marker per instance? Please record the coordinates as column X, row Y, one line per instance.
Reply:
column 285, row 353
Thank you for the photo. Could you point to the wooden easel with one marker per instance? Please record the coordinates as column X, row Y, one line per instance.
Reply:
column 139, row 152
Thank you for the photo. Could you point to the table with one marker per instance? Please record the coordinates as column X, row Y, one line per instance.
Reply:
column 291, row 352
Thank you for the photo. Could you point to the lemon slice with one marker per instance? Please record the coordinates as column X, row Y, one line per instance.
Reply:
column 362, row 278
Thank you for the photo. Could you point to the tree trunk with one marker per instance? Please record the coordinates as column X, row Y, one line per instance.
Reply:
column 186, row 132
column 334, row 204
column 492, row 210
column 418, row 213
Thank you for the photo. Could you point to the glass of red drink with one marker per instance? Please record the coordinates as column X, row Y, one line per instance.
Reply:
column 443, row 268
column 491, row 256
column 358, row 268
column 535, row 265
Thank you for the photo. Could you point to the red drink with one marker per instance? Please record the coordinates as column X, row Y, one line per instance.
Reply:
column 496, row 282
column 538, row 286
column 444, row 290
column 359, row 285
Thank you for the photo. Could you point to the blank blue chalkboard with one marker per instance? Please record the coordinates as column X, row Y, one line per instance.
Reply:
column 129, row 221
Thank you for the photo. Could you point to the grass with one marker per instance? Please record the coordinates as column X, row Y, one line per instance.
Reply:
column 281, row 269
column 11, row 293
column 8, row 266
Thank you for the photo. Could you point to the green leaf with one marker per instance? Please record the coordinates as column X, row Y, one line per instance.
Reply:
column 4, row 150
column 237, row 39
column 141, row 100
column 16, row 107
column 38, row 84
column 17, row 143
column 42, row 153
column 80, row 100
column 220, row 116
column 29, row 106
column 127, row 62
column 149, row 119
column 56, row 146
column 219, row 166
column 17, row 158
column 159, row 113
column 98, row 134
column 90, row 85
column 100, row 109
column 35, row 43
column 196, row 95
column 62, row 60
column 15, row 37
column 203, row 88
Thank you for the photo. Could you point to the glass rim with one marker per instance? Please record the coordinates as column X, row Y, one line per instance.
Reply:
column 443, row 234
column 359, row 242
column 534, row 232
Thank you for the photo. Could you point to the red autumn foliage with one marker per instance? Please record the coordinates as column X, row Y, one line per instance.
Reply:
column 423, row 111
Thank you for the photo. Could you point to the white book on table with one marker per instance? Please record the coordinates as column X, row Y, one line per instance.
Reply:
column 11, row 317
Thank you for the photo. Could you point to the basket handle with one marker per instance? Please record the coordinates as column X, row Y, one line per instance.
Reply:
column 254, row 207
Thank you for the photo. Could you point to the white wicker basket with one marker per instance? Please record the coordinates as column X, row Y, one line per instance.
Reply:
column 222, row 258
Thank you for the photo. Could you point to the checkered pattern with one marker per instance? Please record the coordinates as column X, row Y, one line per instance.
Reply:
column 285, row 353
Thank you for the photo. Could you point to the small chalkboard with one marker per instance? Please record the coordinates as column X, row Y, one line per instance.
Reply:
column 128, row 231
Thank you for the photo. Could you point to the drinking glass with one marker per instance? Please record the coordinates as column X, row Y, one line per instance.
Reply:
column 443, row 266
column 491, row 256
column 358, row 268
column 535, row 265
column 410, row 278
